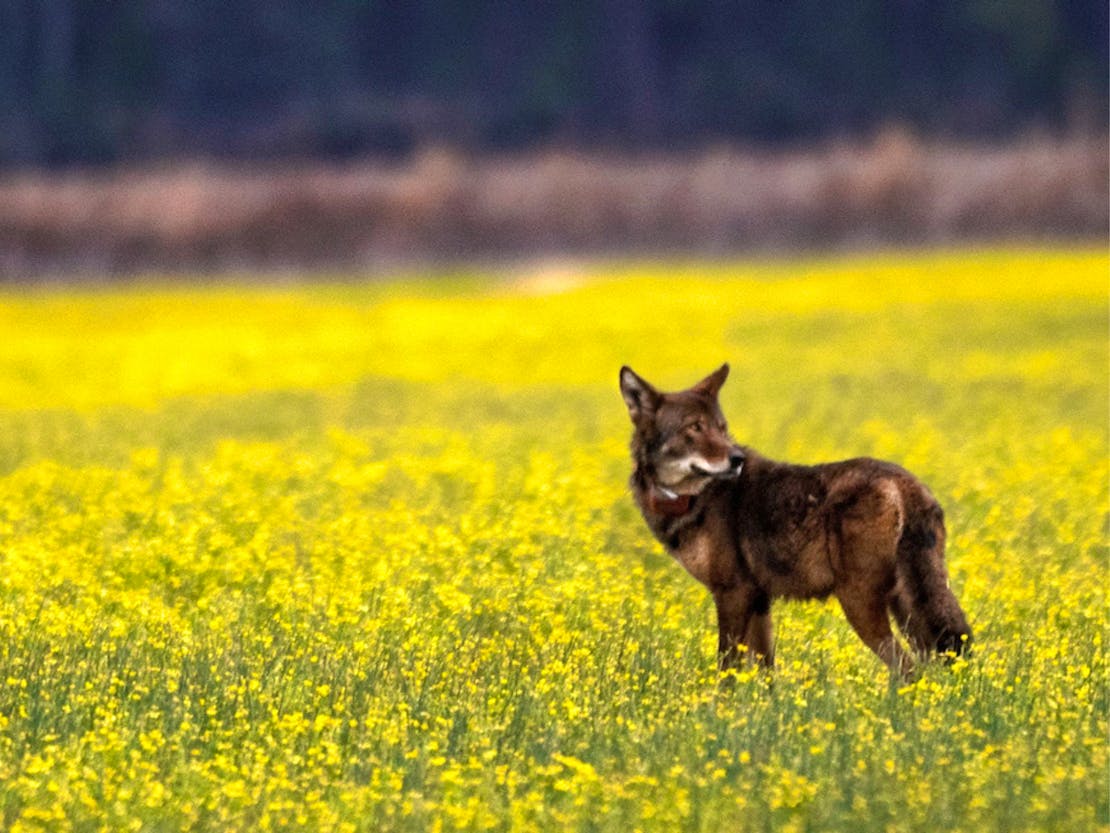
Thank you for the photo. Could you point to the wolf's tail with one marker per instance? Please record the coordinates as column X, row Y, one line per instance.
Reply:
column 926, row 610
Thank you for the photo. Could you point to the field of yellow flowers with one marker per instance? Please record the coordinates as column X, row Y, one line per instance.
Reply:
column 360, row 556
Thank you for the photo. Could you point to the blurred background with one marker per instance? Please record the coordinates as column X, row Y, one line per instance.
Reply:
column 284, row 135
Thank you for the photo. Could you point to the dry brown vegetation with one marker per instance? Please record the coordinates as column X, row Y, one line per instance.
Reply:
column 442, row 205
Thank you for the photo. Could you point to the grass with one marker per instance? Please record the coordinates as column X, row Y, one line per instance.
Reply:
column 362, row 557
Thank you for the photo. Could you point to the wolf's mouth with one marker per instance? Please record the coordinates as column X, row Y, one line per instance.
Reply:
column 701, row 471
column 731, row 471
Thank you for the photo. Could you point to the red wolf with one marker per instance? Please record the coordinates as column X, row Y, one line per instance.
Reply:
column 752, row 530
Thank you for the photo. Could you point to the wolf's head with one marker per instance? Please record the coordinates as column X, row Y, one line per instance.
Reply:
column 681, row 442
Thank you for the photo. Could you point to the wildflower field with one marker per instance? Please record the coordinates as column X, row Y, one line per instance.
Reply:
column 361, row 555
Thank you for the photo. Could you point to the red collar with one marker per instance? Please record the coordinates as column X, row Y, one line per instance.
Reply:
column 660, row 504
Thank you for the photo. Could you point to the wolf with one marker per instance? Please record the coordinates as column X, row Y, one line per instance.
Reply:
column 753, row 530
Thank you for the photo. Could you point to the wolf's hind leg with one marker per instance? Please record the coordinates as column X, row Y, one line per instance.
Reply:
column 867, row 613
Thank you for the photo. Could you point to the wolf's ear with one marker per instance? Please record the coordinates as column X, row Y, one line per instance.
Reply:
column 639, row 396
column 711, row 384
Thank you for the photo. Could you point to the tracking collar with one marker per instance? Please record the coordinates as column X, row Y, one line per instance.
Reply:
column 662, row 501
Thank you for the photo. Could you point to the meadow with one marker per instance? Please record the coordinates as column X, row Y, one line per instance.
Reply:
column 361, row 556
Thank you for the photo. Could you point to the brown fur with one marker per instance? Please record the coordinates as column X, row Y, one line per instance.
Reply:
column 752, row 530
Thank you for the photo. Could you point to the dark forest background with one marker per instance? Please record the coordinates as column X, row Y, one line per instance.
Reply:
column 89, row 82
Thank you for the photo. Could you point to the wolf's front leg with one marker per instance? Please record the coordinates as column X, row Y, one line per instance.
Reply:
column 760, row 638
column 734, row 614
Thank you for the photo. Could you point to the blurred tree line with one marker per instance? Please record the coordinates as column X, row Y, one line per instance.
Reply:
column 102, row 81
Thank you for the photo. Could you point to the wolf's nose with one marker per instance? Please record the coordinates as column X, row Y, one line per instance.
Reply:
column 735, row 460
